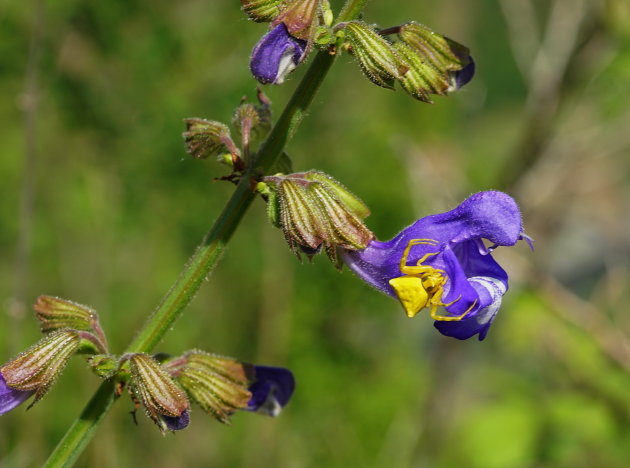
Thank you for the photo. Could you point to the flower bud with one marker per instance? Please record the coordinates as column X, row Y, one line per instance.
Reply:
column 276, row 55
column 55, row 313
column 222, row 385
column 438, row 64
column 36, row 369
column 217, row 384
column 164, row 401
column 261, row 11
column 380, row 63
column 252, row 123
column 206, row 138
column 314, row 211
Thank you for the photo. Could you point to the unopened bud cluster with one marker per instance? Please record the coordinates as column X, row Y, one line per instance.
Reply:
column 209, row 138
column 162, row 386
column 422, row 61
column 315, row 211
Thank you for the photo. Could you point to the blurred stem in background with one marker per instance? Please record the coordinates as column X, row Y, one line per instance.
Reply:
column 207, row 254
column 29, row 103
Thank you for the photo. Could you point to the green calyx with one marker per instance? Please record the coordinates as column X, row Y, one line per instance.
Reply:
column 159, row 394
column 314, row 211
column 434, row 50
column 261, row 11
column 205, row 138
column 103, row 365
column 432, row 60
column 55, row 313
column 37, row 368
column 423, row 61
column 378, row 60
column 219, row 385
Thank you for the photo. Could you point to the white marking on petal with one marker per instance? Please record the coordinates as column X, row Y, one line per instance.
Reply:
column 271, row 406
column 496, row 288
column 285, row 66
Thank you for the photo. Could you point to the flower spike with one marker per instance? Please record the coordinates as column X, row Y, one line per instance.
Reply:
column 441, row 261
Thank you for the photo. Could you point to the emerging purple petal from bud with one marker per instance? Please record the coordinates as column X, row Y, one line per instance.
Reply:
column 314, row 210
column 438, row 65
column 11, row 398
column 271, row 391
column 165, row 402
column 276, row 55
column 441, row 261
column 218, row 384
column 222, row 385
column 35, row 370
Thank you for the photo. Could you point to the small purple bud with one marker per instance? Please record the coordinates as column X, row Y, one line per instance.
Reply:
column 271, row 390
column 276, row 55
column 11, row 398
column 177, row 423
column 461, row 77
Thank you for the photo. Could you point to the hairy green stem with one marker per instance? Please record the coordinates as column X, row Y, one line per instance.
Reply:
column 205, row 257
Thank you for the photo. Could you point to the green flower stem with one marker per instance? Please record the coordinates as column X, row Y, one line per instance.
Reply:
column 83, row 428
column 206, row 256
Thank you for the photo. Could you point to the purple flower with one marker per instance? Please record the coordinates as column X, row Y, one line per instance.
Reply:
column 177, row 423
column 11, row 398
column 271, row 390
column 441, row 261
column 276, row 55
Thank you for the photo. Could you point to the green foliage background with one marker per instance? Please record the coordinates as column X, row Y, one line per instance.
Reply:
column 100, row 204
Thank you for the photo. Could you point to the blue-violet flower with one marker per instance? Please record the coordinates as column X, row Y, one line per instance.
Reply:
column 276, row 55
column 441, row 261
column 271, row 391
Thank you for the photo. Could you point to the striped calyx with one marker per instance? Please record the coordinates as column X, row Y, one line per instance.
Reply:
column 314, row 211
column 37, row 368
column 261, row 11
column 219, row 385
column 378, row 60
column 55, row 313
column 164, row 401
column 434, row 61
column 205, row 138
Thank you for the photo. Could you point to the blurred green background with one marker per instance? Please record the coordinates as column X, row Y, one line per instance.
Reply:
column 100, row 204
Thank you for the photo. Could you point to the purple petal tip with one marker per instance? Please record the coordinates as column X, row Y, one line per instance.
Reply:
column 177, row 423
column 271, row 390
